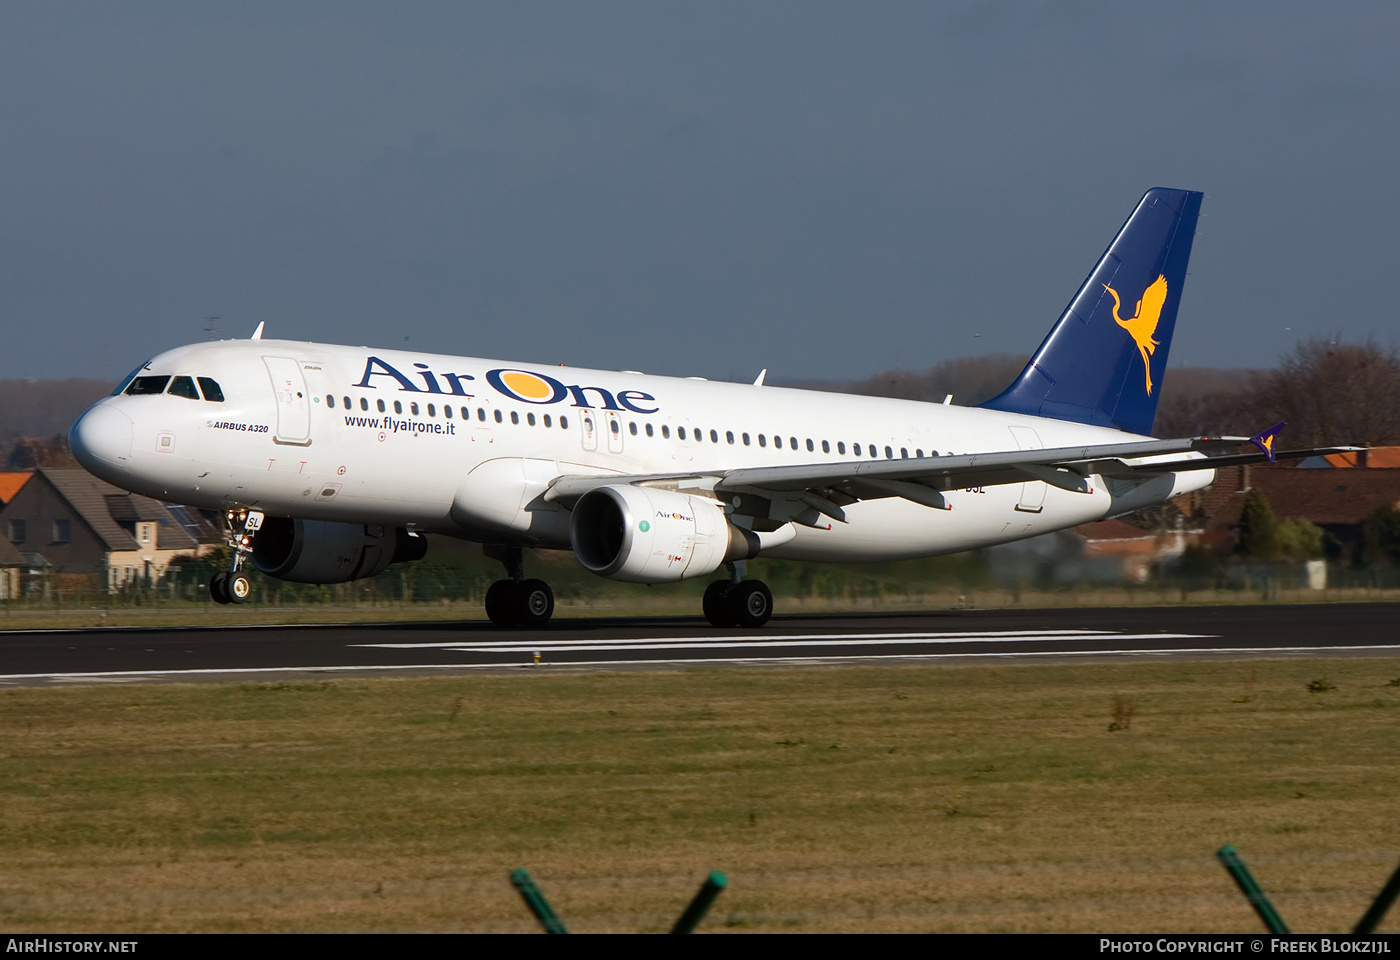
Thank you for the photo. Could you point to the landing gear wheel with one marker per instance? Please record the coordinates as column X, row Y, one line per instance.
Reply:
column 716, row 604
column 218, row 587
column 499, row 607
column 533, row 602
column 750, row 603
column 238, row 587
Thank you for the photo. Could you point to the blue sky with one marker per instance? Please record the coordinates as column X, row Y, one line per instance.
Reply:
column 828, row 190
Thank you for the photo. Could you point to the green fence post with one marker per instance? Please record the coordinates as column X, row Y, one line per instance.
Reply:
column 1230, row 857
column 1384, row 899
column 712, row 887
column 535, row 900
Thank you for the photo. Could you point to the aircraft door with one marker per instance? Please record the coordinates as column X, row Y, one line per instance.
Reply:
column 1032, row 491
column 612, row 423
column 293, row 404
column 588, row 423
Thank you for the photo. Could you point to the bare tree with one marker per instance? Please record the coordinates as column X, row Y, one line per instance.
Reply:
column 1332, row 392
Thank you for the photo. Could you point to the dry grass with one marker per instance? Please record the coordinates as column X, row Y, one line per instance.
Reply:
column 912, row 798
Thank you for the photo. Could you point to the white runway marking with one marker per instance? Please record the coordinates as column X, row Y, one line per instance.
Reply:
column 780, row 641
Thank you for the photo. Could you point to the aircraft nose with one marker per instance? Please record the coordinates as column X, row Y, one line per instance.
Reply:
column 101, row 439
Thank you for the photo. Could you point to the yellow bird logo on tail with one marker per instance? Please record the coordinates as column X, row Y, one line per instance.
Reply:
column 1142, row 326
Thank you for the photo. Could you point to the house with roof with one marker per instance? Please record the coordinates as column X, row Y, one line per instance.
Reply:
column 69, row 523
column 1335, row 496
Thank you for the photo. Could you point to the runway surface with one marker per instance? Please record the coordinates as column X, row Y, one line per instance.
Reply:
column 187, row 654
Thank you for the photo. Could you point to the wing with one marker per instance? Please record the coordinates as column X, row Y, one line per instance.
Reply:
column 803, row 493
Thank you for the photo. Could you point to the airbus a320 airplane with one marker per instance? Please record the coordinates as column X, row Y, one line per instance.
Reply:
column 330, row 462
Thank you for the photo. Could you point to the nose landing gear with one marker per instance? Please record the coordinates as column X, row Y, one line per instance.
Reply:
column 233, row 586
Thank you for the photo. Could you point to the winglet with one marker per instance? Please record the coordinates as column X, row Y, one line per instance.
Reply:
column 1265, row 441
column 761, row 374
column 257, row 334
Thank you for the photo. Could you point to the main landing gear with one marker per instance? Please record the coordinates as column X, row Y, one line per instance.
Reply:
column 517, row 602
column 233, row 586
column 737, row 602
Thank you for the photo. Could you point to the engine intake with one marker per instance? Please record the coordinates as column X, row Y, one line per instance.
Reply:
column 644, row 535
column 317, row 551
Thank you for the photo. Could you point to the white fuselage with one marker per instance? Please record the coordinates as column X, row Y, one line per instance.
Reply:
column 466, row 447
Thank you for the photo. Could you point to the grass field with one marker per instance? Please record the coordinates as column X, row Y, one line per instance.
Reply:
column 1041, row 797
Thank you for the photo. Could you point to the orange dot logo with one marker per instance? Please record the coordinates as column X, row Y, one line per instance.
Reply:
column 526, row 386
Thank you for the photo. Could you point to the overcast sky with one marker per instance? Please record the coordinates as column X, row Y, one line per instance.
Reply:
column 828, row 190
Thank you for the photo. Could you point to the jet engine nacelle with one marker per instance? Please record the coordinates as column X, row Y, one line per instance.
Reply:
column 316, row 551
column 645, row 535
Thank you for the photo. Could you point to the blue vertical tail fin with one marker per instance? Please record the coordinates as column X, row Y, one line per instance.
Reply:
column 1104, row 360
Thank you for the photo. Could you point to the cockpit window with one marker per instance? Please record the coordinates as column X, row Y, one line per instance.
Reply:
column 121, row 387
column 211, row 390
column 143, row 385
column 183, row 387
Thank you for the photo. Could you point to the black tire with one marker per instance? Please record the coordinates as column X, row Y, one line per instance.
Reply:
column 238, row 587
column 498, row 603
column 533, row 602
column 716, row 604
column 751, row 603
column 218, row 587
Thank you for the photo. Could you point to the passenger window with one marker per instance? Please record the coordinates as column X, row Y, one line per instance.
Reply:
column 146, row 385
column 729, row 435
column 183, row 387
column 515, row 417
column 680, row 432
column 212, row 393
column 364, row 404
column 650, row 431
column 398, row 407
column 904, row 453
column 380, row 405
column 330, row 401
column 855, row 449
column 714, row 437
column 498, row 416
column 792, row 442
column 810, row 448
column 826, row 447
column 632, row 428
column 745, row 438
column 447, row 411
column 919, row 454
column 481, row 414
column 563, row 423
column 841, row 447
column 348, row 405
column 413, row 409
column 889, row 454
column 432, row 410
column 530, row 419
column 762, row 442
column 548, row 421
column 665, row 432
column 614, row 426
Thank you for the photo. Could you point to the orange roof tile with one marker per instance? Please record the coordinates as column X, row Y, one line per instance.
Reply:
column 10, row 484
column 1377, row 457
